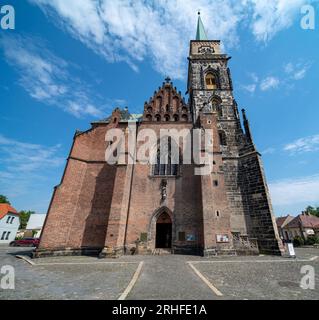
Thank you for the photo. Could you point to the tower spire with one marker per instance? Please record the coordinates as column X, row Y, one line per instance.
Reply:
column 201, row 33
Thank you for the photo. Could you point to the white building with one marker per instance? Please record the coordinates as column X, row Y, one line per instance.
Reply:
column 35, row 224
column 9, row 223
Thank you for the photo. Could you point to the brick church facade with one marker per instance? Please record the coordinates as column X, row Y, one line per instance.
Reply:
column 113, row 209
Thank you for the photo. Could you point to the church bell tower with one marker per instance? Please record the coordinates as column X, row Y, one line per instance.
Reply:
column 248, row 212
column 209, row 80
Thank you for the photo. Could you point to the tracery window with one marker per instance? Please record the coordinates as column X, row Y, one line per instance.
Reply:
column 165, row 164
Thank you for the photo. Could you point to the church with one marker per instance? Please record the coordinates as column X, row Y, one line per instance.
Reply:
column 144, row 208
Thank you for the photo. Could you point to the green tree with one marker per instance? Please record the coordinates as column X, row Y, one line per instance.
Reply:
column 4, row 199
column 24, row 218
column 313, row 211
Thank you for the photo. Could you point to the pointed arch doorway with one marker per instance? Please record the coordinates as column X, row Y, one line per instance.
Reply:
column 163, row 231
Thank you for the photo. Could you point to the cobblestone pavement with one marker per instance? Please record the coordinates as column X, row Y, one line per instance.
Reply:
column 92, row 280
column 161, row 277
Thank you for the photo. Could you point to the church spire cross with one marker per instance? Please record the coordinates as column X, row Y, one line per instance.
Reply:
column 168, row 79
column 201, row 33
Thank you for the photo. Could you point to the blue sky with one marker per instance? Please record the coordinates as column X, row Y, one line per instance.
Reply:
column 68, row 63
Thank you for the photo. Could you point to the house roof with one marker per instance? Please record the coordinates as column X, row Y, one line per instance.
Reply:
column 6, row 208
column 36, row 221
column 126, row 116
column 305, row 220
column 282, row 221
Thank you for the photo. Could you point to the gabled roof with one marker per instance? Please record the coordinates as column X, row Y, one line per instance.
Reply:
column 5, row 209
column 282, row 221
column 303, row 220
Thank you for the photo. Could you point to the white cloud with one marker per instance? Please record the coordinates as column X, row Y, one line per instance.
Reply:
column 272, row 16
column 269, row 83
column 268, row 151
column 27, row 171
column 292, row 72
column 130, row 31
column 307, row 144
column 46, row 77
column 26, row 157
column 251, row 88
column 296, row 71
column 295, row 191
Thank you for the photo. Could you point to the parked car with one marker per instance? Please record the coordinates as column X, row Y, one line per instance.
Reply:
column 25, row 242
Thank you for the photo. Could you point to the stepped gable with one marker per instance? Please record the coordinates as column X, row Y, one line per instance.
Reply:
column 167, row 105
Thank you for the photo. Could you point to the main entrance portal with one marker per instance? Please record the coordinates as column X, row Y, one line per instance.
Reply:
column 163, row 231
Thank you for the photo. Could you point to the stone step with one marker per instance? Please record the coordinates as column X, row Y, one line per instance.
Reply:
column 161, row 252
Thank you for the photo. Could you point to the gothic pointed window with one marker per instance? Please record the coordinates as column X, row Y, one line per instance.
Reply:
column 211, row 81
column 216, row 105
column 165, row 164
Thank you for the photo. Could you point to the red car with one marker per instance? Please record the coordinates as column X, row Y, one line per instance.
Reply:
column 25, row 242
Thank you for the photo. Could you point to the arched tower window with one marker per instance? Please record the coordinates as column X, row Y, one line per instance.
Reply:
column 158, row 118
column 216, row 105
column 222, row 138
column 169, row 167
column 211, row 81
column 184, row 117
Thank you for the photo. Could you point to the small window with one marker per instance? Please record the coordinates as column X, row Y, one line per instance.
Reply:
column 215, row 183
column 181, row 236
column 166, row 117
column 216, row 105
column 222, row 138
column 184, row 109
column 158, row 118
column 149, row 117
column 149, row 109
column 217, row 213
column 176, row 118
column 143, row 237
column 3, row 235
column 211, row 83
column 11, row 220
column 8, row 219
column 8, row 234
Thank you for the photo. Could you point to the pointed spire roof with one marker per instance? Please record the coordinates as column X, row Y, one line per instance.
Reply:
column 201, row 33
